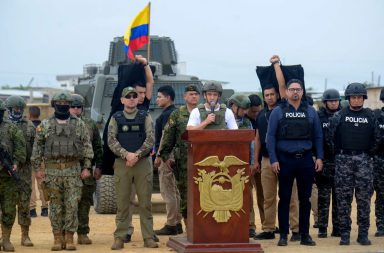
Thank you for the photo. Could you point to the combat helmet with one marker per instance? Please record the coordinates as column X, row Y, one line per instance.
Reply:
column 382, row 94
column 213, row 86
column 15, row 101
column 344, row 103
column 239, row 100
column 3, row 106
column 330, row 94
column 355, row 89
column 77, row 100
column 61, row 96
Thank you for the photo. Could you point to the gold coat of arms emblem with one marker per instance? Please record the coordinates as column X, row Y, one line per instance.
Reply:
column 213, row 197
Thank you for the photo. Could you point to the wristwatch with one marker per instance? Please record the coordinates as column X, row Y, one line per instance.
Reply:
column 145, row 64
column 275, row 62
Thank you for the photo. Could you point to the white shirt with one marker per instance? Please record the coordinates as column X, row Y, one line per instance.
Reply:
column 194, row 118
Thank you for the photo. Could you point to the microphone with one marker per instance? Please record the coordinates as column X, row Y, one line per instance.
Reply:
column 213, row 107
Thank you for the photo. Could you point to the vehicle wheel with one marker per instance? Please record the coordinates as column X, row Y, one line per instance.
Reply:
column 105, row 196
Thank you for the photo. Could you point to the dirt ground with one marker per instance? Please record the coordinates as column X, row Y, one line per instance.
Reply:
column 102, row 227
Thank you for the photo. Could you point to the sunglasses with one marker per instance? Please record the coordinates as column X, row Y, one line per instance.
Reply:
column 131, row 96
column 78, row 107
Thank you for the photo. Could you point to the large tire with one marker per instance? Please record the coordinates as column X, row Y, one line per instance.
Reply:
column 105, row 196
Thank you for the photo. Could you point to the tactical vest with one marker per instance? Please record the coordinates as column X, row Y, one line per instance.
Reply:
column 62, row 140
column 324, row 121
column 246, row 123
column 219, row 118
column 89, row 128
column 295, row 125
column 355, row 131
column 262, row 125
column 380, row 117
column 28, row 136
column 5, row 140
column 131, row 132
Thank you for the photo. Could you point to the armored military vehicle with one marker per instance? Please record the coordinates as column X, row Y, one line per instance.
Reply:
column 99, row 83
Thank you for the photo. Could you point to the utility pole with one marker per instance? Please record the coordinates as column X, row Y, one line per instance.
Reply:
column 325, row 85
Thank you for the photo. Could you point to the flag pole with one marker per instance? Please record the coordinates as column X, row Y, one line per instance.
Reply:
column 149, row 33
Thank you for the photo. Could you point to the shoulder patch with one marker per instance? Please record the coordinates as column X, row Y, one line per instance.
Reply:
column 38, row 128
column 171, row 122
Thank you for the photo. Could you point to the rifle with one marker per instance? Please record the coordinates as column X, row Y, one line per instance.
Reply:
column 6, row 163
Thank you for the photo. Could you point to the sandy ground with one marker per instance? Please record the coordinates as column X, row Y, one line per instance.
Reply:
column 102, row 227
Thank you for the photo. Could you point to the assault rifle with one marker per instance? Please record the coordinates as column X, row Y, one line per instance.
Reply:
column 6, row 163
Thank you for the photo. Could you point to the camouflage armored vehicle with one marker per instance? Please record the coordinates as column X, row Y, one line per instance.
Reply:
column 99, row 83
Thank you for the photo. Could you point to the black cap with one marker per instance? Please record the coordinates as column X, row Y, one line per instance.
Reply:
column 192, row 87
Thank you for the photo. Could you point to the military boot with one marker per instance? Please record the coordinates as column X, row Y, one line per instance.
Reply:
column 83, row 239
column 57, row 241
column 344, row 239
column 25, row 240
column 362, row 238
column 150, row 243
column 69, row 244
column 379, row 232
column 7, row 245
column 322, row 232
column 118, row 244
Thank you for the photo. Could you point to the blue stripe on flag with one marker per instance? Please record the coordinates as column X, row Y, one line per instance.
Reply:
column 126, row 48
column 139, row 31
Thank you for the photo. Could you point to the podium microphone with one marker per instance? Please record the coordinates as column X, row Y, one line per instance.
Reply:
column 213, row 107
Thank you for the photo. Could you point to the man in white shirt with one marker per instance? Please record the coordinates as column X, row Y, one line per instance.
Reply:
column 202, row 117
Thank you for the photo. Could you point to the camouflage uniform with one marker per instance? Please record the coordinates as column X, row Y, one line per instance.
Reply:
column 89, row 184
column 63, row 184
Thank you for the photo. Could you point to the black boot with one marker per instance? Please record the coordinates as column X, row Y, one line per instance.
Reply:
column 322, row 232
column 316, row 225
column 283, row 240
column 127, row 239
column 33, row 213
column 167, row 230
column 344, row 240
column 380, row 232
column 44, row 212
column 295, row 237
column 179, row 227
column 265, row 236
column 277, row 231
column 307, row 240
column 336, row 232
column 252, row 233
column 363, row 239
column 155, row 238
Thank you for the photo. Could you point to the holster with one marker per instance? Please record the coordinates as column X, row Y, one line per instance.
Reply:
column 45, row 191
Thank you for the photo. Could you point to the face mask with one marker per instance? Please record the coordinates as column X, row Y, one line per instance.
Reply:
column 62, row 112
column 14, row 116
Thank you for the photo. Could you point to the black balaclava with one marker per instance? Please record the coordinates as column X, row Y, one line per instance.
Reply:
column 14, row 116
column 62, row 111
column 1, row 116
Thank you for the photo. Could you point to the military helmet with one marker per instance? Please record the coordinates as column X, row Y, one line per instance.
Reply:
column 15, row 101
column 330, row 94
column 344, row 103
column 213, row 86
column 355, row 89
column 3, row 106
column 61, row 96
column 77, row 100
column 382, row 94
column 240, row 100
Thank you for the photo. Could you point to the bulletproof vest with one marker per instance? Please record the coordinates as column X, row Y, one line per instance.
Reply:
column 5, row 140
column 324, row 121
column 89, row 128
column 246, row 123
column 219, row 118
column 295, row 125
column 62, row 140
column 262, row 125
column 28, row 136
column 380, row 117
column 355, row 131
column 131, row 132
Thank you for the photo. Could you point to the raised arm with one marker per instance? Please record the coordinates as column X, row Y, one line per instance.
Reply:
column 148, row 76
column 279, row 76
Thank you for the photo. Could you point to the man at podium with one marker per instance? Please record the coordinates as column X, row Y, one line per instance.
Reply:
column 211, row 115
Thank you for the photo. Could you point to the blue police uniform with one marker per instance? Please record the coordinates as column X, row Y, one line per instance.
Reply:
column 290, row 137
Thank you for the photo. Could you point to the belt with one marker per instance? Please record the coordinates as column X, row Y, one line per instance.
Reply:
column 295, row 155
column 61, row 165
column 351, row 151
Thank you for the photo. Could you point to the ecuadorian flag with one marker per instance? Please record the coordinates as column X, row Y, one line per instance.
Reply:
column 137, row 33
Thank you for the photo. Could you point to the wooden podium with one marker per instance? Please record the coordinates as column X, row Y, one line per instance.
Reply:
column 218, row 193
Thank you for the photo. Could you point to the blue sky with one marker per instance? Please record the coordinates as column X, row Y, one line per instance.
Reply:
column 339, row 40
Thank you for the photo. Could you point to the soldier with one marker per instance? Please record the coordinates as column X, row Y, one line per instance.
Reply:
column 354, row 137
column 16, row 105
column 62, row 140
column 89, row 184
column 378, row 173
column 176, row 125
column 325, row 178
column 202, row 118
column 131, row 138
column 12, row 140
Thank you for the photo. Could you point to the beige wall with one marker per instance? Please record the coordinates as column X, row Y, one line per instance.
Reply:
column 45, row 110
column 373, row 100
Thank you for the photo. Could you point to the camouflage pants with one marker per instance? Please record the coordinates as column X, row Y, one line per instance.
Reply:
column 64, row 194
column 378, row 183
column 353, row 173
column 326, row 187
column 9, row 196
column 23, row 217
column 89, row 187
column 182, row 178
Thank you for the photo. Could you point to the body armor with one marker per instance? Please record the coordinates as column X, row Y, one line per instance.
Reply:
column 263, row 125
column 5, row 140
column 324, row 121
column 23, row 126
column 295, row 125
column 355, row 131
column 380, row 117
column 62, row 140
column 131, row 132
column 219, row 118
column 246, row 123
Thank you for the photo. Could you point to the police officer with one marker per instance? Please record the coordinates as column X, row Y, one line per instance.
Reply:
column 16, row 105
column 131, row 138
column 62, row 140
column 378, row 173
column 176, row 125
column 325, row 178
column 293, row 128
column 12, row 140
column 354, row 136
column 89, row 184
column 202, row 118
